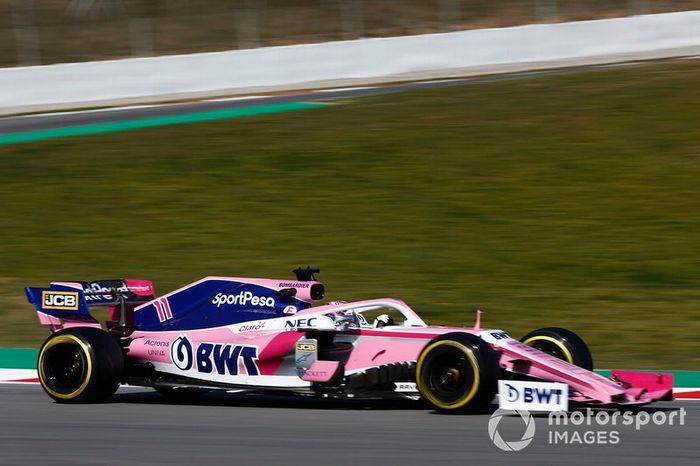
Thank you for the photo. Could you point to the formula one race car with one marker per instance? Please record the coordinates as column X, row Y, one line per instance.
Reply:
column 263, row 335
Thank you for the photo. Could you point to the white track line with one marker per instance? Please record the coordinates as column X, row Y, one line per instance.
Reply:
column 232, row 99
column 345, row 89
column 441, row 81
column 97, row 110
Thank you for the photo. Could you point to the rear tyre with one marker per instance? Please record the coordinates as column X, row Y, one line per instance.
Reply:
column 457, row 372
column 80, row 365
column 561, row 343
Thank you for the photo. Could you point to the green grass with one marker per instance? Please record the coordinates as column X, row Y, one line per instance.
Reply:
column 566, row 200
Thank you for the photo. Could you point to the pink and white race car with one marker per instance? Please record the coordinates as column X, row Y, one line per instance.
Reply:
column 264, row 335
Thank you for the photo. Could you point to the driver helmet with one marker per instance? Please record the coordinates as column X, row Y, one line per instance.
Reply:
column 345, row 318
column 337, row 302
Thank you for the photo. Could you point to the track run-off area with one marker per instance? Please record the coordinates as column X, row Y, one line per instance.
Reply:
column 36, row 127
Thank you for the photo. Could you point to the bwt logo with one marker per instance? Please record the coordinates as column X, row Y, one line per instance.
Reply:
column 214, row 357
column 181, row 353
column 500, row 335
column 534, row 395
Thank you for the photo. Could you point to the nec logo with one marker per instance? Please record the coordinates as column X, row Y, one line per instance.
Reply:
column 62, row 300
column 300, row 323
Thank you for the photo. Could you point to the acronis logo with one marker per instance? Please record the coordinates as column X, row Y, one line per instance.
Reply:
column 214, row 357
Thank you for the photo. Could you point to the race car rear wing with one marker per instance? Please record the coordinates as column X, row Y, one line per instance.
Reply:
column 109, row 292
column 69, row 302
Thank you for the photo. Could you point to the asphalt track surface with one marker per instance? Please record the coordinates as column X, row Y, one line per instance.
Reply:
column 138, row 427
column 26, row 123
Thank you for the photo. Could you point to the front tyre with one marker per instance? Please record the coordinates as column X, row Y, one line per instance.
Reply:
column 80, row 365
column 457, row 372
column 561, row 343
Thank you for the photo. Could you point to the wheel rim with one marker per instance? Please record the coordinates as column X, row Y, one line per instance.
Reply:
column 449, row 375
column 64, row 368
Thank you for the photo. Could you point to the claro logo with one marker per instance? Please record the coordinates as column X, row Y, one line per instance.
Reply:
column 243, row 298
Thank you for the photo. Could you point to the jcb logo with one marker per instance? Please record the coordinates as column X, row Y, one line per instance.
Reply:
column 306, row 346
column 63, row 300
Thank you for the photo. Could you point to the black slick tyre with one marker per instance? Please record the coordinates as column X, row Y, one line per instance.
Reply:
column 457, row 372
column 561, row 343
column 80, row 365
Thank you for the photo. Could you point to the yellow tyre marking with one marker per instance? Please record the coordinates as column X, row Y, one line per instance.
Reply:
column 57, row 341
column 560, row 345
column 426, row 392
